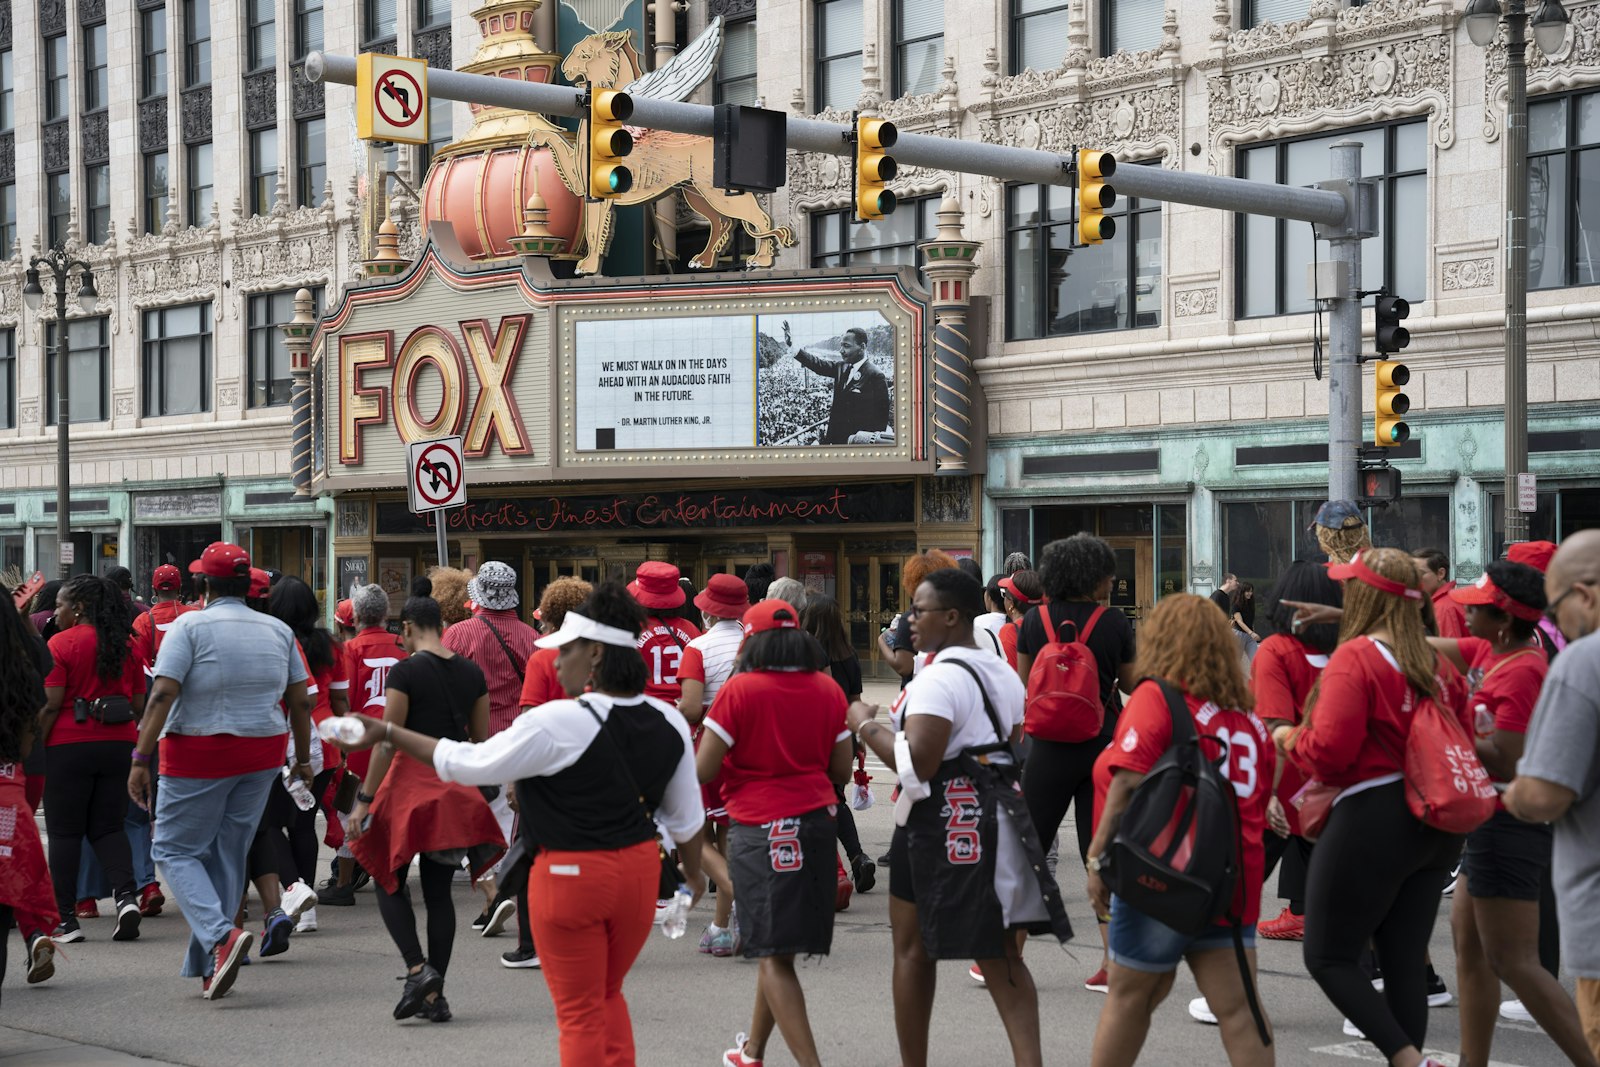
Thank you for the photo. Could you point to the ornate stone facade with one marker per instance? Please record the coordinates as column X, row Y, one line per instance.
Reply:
column 1575, row 66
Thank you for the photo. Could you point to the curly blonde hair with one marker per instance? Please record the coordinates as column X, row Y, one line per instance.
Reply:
column 917, row 568
column 450, row 590
column 1342, row 545
column 561, row 596
column 1186, row 640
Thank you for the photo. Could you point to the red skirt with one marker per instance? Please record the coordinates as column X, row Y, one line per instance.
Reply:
column 416, row 811
column 24, row 878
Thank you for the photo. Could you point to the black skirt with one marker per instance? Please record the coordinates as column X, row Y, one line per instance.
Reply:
column 784, row 878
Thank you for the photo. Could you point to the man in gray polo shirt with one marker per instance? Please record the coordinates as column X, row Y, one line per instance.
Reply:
column 1558, row 777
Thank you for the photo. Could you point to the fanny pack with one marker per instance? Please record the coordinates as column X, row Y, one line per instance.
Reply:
column 108, row 711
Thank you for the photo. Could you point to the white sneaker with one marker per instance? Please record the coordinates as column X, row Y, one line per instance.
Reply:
column 1513, row 1011
column 1352, row 1030
column 976, row 974
column 1201, row 1012
column 307, row 923
column 298, row 899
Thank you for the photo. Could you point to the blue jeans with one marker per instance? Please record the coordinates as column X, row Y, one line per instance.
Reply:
column 203, row 829
column 1141, row 943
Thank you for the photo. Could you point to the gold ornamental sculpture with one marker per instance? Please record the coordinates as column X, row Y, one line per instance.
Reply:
column 482, row 182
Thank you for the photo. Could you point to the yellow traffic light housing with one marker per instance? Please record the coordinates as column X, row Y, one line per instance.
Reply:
column 875, row 167
column 1391, row 377
column 1095, row 196
column 609, row 143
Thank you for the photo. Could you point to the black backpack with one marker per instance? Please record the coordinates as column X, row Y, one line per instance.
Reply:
column 1176, row 856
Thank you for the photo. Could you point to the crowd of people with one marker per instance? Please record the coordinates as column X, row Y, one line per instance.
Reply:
column 592, row 773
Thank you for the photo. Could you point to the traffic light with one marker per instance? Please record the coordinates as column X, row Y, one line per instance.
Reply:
column 1390, row 335
column 1392, row 403
column 609, row 142
column 1095, row 196
column 875, row 167
column 1379, row 486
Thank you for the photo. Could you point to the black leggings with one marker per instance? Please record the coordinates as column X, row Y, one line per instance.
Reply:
column 1058, row 774
column 86, row 796
column 402, row 921
column 293, row 833
column 1376, row 875
column 848, row 836
column 5, row 935
column 1295, row 852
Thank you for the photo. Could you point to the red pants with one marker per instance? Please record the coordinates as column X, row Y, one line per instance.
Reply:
column 591, row 913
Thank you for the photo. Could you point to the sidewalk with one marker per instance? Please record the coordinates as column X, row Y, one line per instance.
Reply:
column 20, row 1048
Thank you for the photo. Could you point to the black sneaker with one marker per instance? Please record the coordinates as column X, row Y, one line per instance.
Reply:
column 481, row 921
column 502, row 912
column 275, row 938
column 361, row 878
column 1438, row 995
column 68, row 933
column 883, row 860
column 127, row 920
column 436, row 1012
column 520, row 959
column 863, row 873
column 418, row 986
column 337, row 896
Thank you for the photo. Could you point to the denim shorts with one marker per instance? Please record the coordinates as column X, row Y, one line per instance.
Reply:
column 1140, row 943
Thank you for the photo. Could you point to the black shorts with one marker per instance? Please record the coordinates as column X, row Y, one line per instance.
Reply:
column 785, row 877
column 1506, row 858
column 957, row 918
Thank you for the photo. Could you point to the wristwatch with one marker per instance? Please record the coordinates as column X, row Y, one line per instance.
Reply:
column 363, row 798
column 1093, row 864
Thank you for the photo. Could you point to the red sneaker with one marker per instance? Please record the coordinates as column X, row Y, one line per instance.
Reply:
column 1286, row 927
column 841, row 895
column 976, row 974
column 150, row 900
column 88, row 909
column 1097, row 982
column 229, row 955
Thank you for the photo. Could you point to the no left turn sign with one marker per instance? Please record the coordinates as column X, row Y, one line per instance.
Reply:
column 392, row 98
column 436, row 476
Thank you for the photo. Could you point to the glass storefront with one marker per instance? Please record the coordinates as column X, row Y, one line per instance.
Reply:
column 1562, row 513
column 1150, row 542
column 298, row 550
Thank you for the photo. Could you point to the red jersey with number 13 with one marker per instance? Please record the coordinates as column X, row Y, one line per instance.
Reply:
column 661, row 644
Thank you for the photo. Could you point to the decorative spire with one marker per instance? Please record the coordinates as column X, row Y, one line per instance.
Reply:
column 215, row 224
column 171, row 228
column 280, row 194
column 387, row 261
column 1078, row 53
column 948, row 92
column 1222, row 16
column 1170, row 44
column 536, row 238
column 871, row 98
column 72, row 226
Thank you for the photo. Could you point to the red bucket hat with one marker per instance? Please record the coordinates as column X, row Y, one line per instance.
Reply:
column 222, row 560
column 770, row 615
column 166, row 578
column 725, row 596
column 655, row 585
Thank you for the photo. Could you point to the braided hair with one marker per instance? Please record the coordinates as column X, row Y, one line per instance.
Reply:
column 21, row 689
column 104, row 608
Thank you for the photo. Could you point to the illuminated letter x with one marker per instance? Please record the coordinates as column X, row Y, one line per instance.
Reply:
column 495, row 410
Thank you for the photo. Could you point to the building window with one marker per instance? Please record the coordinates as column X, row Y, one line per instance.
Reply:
column 55, row 77
column 269, row 356
column 196, row 43
column 836, row 241
column 153, row 42
column 378, row 20
column 8, row 218
column 735, row 78
column 201, row 184
column 1255, row 12
column 311, row 155
column 97, row 217
column 1561, row 513
column 1564, row 191
column 431, row 13
column 263, row 169
column 1273, row 253
column 1130, row 25
column 261, row 34
column 177, row 360
column 58, row 198
column 8, row 94
column 838, row 43
column 8, row 379
column 1055, row 286
column 918, row 46
column 95, row 84
column 1038, row 34
column 307, row 27
column 438, row 131
column 155, row 192
column 87, row 378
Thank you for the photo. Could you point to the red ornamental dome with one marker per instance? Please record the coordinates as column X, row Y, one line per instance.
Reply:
column 482, row 195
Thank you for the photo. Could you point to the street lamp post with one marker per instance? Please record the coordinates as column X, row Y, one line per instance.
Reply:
column 1549, row 30
column 60, row 266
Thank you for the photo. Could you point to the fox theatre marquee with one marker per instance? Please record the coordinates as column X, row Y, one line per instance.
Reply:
column 712, row 422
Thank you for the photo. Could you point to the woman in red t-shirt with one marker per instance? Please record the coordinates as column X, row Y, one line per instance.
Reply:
column 1377, row 870
column 94, row 696
column 1188, row 642
column 1495, row 919
column 776, row 735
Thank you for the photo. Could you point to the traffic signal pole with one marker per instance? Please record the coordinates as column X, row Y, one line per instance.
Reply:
column 1335, row 213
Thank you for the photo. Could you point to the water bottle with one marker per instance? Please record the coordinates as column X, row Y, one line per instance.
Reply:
column 677, row 920
column 1483, row 721
column 299, row 792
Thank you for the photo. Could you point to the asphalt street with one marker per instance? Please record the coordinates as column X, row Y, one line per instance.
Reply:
column 329, row 999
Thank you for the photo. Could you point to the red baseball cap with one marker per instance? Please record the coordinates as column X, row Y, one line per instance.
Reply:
column 260, row 582
column 222, row 560
column 1535, row 554
column 770, row 615
column 1485, row 592
column 166, row 578
column 345, row 614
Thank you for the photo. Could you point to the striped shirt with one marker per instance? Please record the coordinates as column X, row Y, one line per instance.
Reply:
column 709, row 657
column 476, row 641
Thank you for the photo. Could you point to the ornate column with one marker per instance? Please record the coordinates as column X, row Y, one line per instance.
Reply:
column 948, row 264
column 297, row 339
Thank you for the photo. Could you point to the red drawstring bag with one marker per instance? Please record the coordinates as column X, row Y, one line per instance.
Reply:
column 1447, row 786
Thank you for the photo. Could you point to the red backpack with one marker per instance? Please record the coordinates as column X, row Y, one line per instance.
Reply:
column 1446, row 784
column 1064, row 685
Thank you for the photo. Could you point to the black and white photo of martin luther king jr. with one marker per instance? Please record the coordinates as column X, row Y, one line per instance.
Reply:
column 861, row 411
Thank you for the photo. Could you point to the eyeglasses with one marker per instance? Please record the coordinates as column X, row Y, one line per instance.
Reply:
column 1555, row 605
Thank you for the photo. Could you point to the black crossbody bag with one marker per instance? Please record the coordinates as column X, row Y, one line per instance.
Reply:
column 669, row 880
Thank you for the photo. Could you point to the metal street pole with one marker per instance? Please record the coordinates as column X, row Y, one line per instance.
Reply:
column 1344, row 332
column 1516, row 371
column 63, row 417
